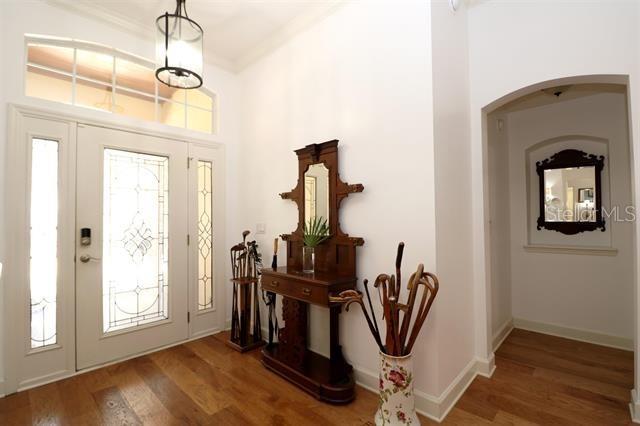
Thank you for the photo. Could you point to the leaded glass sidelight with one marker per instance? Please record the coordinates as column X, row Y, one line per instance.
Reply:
column 43, row 251
column 205, row 236
column 135, row 239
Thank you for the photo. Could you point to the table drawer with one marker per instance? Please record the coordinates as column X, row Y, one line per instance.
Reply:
column 274, row 284
column 300, row 290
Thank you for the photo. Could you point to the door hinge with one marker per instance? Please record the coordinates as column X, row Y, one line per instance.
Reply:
column 188, row 239
column 188, row 316
column 189, row 162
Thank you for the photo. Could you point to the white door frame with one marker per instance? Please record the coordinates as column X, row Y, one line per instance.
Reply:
column 16, row 247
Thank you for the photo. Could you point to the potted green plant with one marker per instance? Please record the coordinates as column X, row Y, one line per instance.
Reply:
column 315, row 231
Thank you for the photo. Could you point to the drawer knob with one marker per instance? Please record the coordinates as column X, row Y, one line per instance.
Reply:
column 306, row 291
column 275, row 283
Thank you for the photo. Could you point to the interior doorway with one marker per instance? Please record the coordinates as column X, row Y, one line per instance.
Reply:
column 560, row 275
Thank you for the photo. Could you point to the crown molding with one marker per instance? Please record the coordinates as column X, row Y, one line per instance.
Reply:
column 94, row 10
column 97, row 12
column 288, row 31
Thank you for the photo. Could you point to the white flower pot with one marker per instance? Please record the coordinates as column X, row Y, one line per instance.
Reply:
column 397, row 404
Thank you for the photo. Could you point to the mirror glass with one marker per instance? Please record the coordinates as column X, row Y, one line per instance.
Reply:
column 316, row 192
column 570, row 194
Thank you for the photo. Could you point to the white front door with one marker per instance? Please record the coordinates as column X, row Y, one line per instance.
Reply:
column 132, row 275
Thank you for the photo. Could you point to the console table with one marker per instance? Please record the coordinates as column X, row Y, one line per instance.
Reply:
column 328, row 379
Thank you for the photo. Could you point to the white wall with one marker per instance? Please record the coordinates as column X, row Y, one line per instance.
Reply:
column 362, row 75
column 513, row 45
column 581, row 291
column 38, row 17
column 454, row 306
column 500, row 226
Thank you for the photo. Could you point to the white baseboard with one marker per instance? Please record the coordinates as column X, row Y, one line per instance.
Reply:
column 205, row 333
column 500, row 335
column 575, row 334
column 45, row 379
column 486, row 367
column 634, row 407
column 435, row 408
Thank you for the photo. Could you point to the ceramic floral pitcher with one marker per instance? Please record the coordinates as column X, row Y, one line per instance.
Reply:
column 397, row 404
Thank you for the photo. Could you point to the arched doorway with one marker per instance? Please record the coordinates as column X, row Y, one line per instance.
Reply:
column 615, row 248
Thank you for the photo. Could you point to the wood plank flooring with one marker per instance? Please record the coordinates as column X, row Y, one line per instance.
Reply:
column 540, row 379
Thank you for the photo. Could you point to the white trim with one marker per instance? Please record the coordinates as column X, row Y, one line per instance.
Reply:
column 435, row 408
column 480, row 185
column 44, row 40
column 205, row 333
column 93, row 10
column 581, row 335
column 115, row 54
column 45, row 379
column 634, row 407
column 285, row 33
column 486, row 367
column 501, row 335
column 115, row 122
column 20, row 358
column 16, row 113
column 590, row 251
column 267, row 45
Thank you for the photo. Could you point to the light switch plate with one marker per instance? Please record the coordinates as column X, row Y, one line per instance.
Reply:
column 261, row 228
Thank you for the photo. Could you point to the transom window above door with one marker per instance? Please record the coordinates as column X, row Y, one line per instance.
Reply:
column 102, row 78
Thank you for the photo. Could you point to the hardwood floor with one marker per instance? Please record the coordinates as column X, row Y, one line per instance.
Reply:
column 540, row 379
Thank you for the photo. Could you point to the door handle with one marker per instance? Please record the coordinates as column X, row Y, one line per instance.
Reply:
column 85, row 258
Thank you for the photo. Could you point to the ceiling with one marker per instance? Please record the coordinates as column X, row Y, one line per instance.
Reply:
column 237, row 32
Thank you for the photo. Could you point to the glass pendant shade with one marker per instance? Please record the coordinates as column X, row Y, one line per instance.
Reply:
column 179, row 49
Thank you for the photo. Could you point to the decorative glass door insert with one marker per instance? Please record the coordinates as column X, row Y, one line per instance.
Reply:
column 135, row 239
column 43, row 265
column 205, row 236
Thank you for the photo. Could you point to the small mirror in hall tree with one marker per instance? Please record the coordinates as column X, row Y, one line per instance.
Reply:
column 571, row 192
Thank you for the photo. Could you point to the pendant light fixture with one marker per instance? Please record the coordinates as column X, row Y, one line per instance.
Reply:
column 179, row 49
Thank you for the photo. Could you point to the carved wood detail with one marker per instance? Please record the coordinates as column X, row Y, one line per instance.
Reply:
column 337, row 254
column 329, row 379
column 293, row 335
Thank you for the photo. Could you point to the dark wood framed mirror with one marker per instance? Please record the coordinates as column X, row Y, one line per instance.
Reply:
column 570, row 192
column 319, row 192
